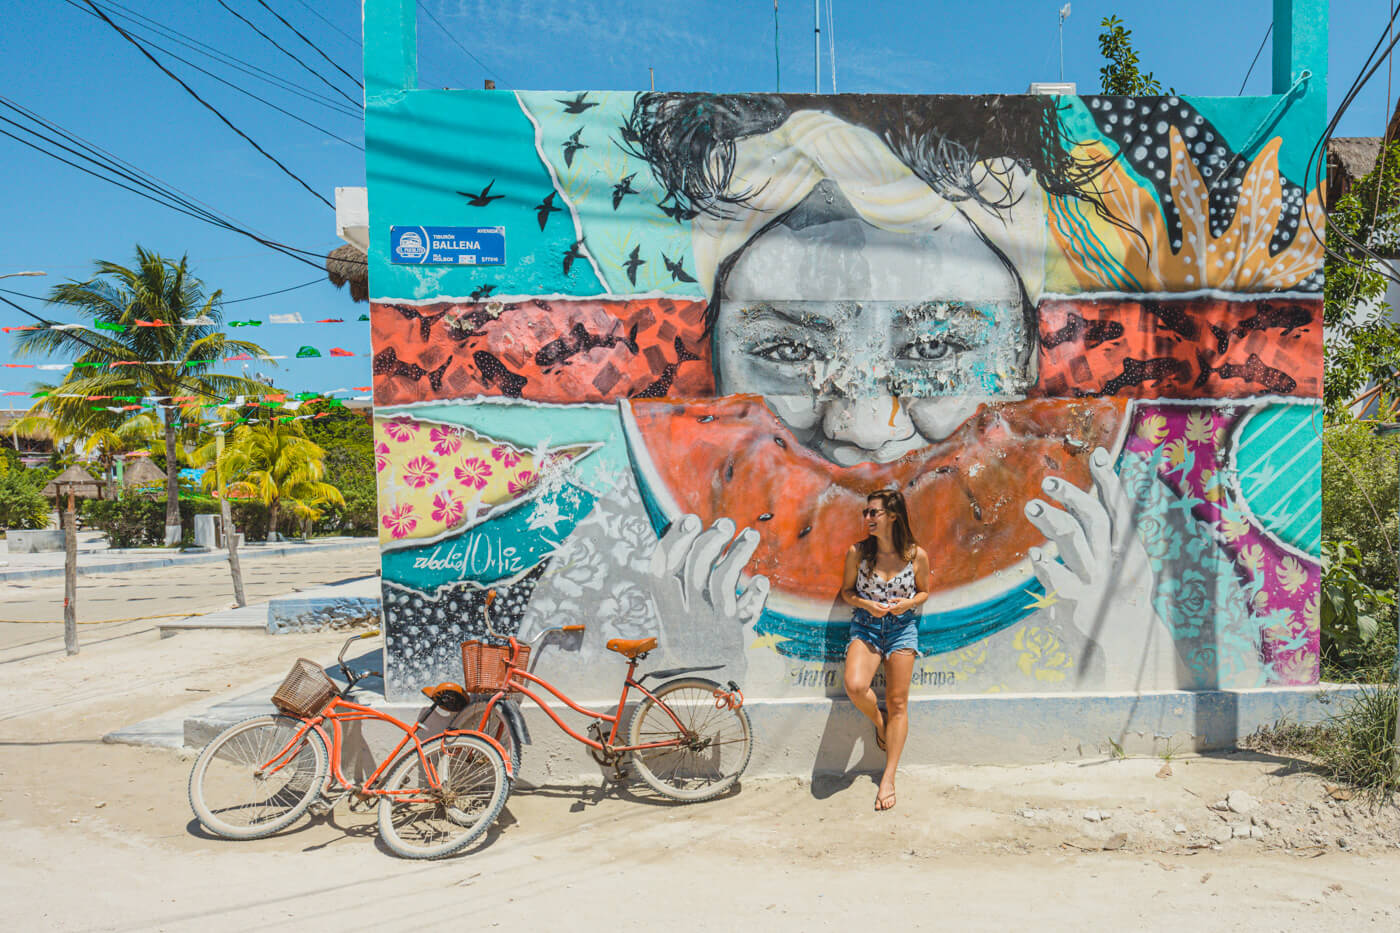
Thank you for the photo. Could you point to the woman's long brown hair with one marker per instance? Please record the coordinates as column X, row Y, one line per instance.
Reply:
column 892, row 501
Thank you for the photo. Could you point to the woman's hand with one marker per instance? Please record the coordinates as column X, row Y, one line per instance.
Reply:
column 878, row 610
column 901, row 606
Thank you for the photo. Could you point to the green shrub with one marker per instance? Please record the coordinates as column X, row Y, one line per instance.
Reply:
column 22, row 504
column 1353, row 745
column 137, row 521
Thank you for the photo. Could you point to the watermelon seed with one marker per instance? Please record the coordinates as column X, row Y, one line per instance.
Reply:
column 728, row 472
column 780, row 442
column 705, row 419
column 765, row 516
column 805, row 532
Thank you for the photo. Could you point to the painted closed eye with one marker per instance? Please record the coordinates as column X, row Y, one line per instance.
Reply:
column 785, row 351
column 932, row 349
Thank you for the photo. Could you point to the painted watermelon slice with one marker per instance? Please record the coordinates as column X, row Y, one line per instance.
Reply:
column 732, row 457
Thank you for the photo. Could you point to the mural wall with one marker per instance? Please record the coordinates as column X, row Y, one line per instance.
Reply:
column 1083, row 335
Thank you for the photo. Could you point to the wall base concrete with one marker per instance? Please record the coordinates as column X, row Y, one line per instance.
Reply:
column 804, row 738
column 34, row 542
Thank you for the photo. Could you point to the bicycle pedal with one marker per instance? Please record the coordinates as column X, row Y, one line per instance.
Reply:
column 322, row 806
column 363, row 803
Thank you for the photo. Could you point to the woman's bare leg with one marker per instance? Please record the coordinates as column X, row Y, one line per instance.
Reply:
column 899, row 669
column 862, row 661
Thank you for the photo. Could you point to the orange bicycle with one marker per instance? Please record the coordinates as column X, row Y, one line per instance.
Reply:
column 689, row 738
column 436, row 795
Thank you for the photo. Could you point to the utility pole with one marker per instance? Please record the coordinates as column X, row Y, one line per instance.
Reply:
column 817, row 25
column 1064, row 15
column 230, row 534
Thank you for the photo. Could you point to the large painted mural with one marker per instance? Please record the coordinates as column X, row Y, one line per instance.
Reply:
column 1083, row 335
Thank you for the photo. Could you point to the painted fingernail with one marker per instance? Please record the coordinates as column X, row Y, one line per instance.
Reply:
column 1100, row 457
column 1034, row 507
column 1034, row 554
column 1050, row 484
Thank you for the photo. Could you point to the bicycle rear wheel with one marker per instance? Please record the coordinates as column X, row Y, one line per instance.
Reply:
column 420, row 820
column 715, row 743
column 233, row 791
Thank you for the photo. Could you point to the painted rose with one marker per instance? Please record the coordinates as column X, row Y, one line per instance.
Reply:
column 420, row 472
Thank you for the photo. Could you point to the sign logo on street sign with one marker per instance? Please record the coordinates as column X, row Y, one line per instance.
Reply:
column 447, row 246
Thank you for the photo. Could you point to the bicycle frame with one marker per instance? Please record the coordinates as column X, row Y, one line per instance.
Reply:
column 516, row 680
column 357, row 712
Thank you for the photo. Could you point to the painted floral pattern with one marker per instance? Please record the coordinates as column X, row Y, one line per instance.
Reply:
column 434, row 478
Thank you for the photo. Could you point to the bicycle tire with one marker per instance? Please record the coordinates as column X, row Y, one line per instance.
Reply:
column 719, row 751
column 497, row 727
column 474, row 777
column 231, row 799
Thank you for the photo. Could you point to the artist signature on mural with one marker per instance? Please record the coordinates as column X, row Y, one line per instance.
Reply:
column 477, row 556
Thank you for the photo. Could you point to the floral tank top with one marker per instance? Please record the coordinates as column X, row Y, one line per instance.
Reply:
column 870, row 586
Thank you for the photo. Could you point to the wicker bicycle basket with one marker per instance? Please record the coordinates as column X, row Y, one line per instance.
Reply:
column 306, row 691
column 484, row 666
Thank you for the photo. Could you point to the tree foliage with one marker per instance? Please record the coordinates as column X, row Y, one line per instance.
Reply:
column 128, row 307
column 1120, row 73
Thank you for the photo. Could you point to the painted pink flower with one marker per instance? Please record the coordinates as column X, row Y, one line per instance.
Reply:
column 446, row 441
column 400, row 520
column 473, row 472
column 506, row 456
column 400, row 429
column 527, row 479
column 447, row 508
column 381, row 456
column 420, row 472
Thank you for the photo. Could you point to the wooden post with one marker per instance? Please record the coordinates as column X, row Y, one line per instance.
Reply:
column 230, row 534
column 70, row 577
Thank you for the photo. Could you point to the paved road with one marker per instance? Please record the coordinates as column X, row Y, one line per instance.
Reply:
column 32, row 612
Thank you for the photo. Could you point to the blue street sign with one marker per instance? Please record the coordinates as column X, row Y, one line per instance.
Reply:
column 447, row 246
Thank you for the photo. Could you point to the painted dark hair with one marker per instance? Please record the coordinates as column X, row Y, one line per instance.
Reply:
column 892, row 501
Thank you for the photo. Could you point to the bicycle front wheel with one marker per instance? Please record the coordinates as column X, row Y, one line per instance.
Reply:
column 423, row 818
column 714, row 743
column 250, row 781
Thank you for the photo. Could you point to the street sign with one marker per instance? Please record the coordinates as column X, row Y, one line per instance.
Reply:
column 447, row 246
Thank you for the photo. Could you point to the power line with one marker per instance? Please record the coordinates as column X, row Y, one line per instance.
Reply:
column 261, row 74
column 485, row 67
column 320, row 77
column 317, row 13
column 314, row 46
column 280, row 291
column 210, row 107
column 247, row 93
column 1268, row 32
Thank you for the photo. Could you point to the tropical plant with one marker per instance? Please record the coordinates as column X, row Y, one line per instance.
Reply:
column 1120, row 75
column 88, row 432
column 22, row 504
column 275, row 463
column 141, row 314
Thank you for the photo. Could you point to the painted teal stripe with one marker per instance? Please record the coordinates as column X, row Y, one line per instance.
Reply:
column 1111, row 260
column 1080, row 239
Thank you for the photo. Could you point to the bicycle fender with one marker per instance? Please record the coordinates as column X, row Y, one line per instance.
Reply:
column 510, row 772
column 674, row 671
column 515, row 721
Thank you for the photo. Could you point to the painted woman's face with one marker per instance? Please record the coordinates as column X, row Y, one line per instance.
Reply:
column 867, row 343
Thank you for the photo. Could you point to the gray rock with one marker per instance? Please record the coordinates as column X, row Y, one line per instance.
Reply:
column 1241, row 802
column 1221, row 833
column 1179, row 828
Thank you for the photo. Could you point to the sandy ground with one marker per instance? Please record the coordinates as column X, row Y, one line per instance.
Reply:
column 101, row 836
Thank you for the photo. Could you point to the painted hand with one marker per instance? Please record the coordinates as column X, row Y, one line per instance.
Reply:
column 1103, row 583
column 703, row 613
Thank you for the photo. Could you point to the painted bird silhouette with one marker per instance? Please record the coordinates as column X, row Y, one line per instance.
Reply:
column 577, row 105
column 677, row 213
column 572, row 145
column 572, row 253
column 482, row 199
column 677, row 269
column 482, row 291
column 622, row 189
column 545, row 208
column 633, row 263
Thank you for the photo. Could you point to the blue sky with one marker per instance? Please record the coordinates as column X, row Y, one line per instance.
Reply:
column 74, row 70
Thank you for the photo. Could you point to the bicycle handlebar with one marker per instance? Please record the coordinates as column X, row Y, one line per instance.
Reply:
column 350, row 676
column 486, row 615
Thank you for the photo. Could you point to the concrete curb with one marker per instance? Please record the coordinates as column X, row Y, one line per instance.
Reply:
column 249, row 553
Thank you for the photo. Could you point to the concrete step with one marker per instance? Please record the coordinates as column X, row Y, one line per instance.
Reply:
column 346, row 605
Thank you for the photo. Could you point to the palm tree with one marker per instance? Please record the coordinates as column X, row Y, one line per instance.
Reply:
column 275, row 463
column 87, row 430
column 139, row 312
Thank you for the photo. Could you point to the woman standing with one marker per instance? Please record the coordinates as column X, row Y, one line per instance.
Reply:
column 886, row 583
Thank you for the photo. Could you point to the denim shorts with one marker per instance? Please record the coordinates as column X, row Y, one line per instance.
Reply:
column 887, row 634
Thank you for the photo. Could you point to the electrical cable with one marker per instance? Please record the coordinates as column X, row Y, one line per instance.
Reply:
column 210, row 107
column 1268, row 32
column 253, row 71
column 317, row 13
column 314, row 46
column 320, row 77
column 485, row 67
column 247, row 93
column 280, row 291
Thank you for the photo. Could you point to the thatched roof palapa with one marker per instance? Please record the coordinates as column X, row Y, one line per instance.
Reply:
column 141, row 472
column 348, row 264
column 75, row 480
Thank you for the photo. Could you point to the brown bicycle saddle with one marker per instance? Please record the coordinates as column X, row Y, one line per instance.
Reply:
column 447, row 696
column 631, row 647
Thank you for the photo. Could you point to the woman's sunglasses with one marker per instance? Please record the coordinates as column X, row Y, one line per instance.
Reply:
column 873, row 513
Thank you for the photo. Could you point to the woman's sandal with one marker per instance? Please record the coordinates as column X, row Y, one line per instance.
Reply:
column 881, row 800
